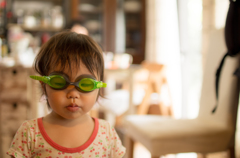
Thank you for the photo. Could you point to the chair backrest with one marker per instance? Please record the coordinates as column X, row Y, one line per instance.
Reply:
column 228, row 85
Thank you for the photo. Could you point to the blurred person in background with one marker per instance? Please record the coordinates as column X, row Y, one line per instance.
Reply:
column 76, row 26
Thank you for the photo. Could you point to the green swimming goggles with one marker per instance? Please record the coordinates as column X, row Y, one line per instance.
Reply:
column 84, row 83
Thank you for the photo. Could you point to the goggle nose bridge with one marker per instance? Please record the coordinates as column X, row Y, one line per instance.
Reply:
column 73, row 83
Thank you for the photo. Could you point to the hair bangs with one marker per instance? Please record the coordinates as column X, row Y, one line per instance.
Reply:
column 66, row 50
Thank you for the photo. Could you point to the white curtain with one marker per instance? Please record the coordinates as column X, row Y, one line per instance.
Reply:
column 120, row 28
column 162, row 44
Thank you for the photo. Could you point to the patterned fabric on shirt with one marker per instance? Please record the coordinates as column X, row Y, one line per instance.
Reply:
column 32, row 141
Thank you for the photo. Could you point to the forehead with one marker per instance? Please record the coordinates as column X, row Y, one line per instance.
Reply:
column 73, row 70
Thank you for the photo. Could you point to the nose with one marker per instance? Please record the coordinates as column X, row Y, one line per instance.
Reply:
column 72, row 95
column 72, row 92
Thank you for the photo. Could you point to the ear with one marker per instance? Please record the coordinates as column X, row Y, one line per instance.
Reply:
column 42, row 85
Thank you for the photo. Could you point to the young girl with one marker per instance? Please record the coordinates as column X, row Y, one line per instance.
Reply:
column 71, row 68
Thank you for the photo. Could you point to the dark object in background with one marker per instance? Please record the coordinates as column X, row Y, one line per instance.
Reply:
column 232, row 40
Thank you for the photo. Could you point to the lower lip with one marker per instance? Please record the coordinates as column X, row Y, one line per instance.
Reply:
column 73, row 108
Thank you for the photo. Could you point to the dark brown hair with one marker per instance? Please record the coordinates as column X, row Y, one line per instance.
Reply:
column 68, row 49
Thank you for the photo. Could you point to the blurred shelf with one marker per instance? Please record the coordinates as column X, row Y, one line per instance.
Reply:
column 91, row 12
column 104, row 12
column 132, row 12
column 36, row 28
column 95, row 11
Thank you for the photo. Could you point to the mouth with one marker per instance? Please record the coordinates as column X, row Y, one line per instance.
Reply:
column 73, row 107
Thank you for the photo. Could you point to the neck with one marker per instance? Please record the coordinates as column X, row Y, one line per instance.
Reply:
column 54, row 118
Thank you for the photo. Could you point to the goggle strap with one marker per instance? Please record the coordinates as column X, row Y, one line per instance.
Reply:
column 40, row 78
column 101, row 84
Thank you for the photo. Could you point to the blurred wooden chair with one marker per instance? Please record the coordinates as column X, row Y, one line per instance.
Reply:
column 156, row 79
column 208, row 133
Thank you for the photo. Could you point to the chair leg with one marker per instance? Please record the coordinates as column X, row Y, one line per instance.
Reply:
column 154, row 156
column 231, row 152
column 129, row 144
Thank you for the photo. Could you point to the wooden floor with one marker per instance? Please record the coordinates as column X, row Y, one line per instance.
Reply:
column 141, row 152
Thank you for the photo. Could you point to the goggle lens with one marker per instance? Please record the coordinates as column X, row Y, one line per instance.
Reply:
column 58, row 82
column 86, row 84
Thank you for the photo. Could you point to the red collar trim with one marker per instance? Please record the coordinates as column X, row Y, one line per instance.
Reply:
column 64, row 149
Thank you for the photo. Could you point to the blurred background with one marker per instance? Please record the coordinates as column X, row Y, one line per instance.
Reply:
column 173, row 34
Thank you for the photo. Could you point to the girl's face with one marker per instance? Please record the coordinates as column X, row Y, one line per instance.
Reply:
column 70, row 103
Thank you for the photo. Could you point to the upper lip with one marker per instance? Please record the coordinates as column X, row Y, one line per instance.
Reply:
column 73, row 105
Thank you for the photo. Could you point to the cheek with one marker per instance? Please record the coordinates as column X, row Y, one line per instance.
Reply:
column 54, row 96
column 90, row 97
column 88, row 100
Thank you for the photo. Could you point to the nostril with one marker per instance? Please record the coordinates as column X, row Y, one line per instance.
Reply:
column 72, row 94
column 72, row 99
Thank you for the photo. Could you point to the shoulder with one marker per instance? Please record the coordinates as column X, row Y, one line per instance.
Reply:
column 26, row 139
column 105, row 128
column 29, row 126
column 30, row 122
column 104, row 125
column 114, row 144
column 103, row 122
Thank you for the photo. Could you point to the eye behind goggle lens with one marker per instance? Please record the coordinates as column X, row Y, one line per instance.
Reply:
column 86, row 84
column 58, row 82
